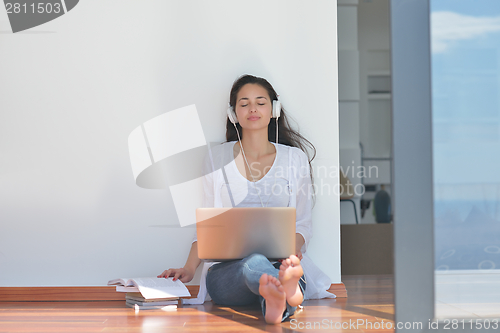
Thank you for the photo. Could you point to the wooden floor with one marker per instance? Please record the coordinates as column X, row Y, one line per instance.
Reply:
column 368, row 307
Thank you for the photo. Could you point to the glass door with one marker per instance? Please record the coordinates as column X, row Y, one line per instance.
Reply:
column 446, row 164
column 465, row 62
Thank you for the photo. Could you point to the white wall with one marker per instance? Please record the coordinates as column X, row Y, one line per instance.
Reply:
column 73, row 89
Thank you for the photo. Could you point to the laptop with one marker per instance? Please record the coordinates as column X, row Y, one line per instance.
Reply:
column 235, row 233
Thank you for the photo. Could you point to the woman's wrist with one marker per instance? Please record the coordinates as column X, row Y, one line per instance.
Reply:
column 189, row 269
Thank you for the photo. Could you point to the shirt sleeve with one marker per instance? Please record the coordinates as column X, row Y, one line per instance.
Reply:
column 303, row 194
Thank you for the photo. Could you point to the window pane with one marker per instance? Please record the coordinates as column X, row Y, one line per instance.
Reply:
column 465, row 58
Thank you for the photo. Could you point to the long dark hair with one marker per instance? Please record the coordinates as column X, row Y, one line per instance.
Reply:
column 286, row 134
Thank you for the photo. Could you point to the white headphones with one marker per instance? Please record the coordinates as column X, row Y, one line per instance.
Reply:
column 275, row 114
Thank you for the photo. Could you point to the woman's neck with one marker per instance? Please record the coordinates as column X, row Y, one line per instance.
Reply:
column 256, row 144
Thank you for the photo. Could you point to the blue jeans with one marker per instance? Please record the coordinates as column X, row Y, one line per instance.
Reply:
column 237, row 282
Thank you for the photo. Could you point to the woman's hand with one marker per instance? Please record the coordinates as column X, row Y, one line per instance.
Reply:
column 183, row 274
column 186, row 273
column 298, row 253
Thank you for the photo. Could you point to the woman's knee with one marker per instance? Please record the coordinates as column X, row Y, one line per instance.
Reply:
column 256, row 259
column 258, row 263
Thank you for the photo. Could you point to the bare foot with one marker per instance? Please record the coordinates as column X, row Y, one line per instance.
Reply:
column 289, row 275
column 271, row 289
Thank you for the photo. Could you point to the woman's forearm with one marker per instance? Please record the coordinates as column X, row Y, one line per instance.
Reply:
column 299, row 241
column 193, row 261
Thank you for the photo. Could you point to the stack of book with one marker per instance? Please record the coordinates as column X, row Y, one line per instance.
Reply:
column 136, row 300
column 150, row 293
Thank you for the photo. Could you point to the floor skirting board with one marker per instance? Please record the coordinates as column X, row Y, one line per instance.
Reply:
column 107, row 293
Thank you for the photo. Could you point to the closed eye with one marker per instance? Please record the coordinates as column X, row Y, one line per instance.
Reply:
column 242, row 106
